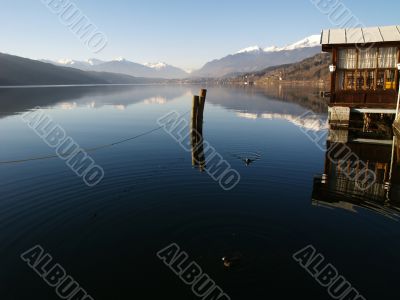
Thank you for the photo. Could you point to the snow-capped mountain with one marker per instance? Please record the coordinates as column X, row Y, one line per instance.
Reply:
column 250, row 59
column 251, row 49
column 165, row 70
column 95, row 62
column 157, row 65
column 77, row 64
column 16, row 70
column 124, row 66
column 256, row 58
column 66, row 61
column 119, row 59
column 309, row 42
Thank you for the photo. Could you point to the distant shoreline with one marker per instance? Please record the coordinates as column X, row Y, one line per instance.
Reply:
column 211, row 82
column 283, row 82
column 77, row 85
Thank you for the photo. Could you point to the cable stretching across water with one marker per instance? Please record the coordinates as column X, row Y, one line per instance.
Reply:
column 89, row 149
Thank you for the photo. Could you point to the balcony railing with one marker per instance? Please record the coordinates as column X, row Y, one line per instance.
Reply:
column 365, row 99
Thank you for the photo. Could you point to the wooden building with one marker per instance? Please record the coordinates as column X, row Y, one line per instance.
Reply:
column 364, row 70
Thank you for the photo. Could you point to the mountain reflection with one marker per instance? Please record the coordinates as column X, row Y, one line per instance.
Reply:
column 19, row 100
column 283, row 102
column 314, row 122
column 281, row 99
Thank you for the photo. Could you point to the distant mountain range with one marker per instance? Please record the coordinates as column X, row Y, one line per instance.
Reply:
column 22, row 71
column 309, row 42
column 123, row 66
column 255, row 58
column 16, row 70
column 250, row 59
column 314, row 69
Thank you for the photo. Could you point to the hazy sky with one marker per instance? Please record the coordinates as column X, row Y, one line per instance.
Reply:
column 185, row 33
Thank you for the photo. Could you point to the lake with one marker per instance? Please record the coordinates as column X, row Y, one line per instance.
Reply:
column 107, row 236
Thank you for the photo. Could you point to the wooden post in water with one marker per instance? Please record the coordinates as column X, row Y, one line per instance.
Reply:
column 200, row 153
column 200, row 114
column 195, row 108
column 194, row 133
column 203, row 93
column 198, row 158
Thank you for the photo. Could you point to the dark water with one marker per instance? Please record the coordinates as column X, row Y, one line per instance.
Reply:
column 106, row 237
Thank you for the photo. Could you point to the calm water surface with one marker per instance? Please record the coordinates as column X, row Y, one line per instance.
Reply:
column 107, row 236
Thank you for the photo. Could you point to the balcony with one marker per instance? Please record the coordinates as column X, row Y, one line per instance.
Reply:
column 365, row 99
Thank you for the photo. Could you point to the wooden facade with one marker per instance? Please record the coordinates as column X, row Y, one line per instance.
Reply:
column 365, row 75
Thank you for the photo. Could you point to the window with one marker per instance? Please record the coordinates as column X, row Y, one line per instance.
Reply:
column 389, row 80
column 349, row 80
column 347, row 59
column 380, row 80
column 386, row 80
column 387, row 57
column 340, row 81
column 370, row 79
column 367, row 69
column 367, row 58
column 360, row 80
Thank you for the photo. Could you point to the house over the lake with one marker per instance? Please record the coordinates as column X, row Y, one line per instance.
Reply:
column 364, row 70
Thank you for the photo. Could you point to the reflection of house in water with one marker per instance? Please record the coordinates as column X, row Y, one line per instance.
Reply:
column 362, row 158
column 350, row 153
column 364, row 71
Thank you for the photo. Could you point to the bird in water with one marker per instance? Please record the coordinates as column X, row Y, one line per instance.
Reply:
column 248, row 158
column 248, row 161
column 232, row 260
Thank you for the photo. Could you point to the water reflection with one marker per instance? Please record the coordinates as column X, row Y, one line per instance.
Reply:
column 19, row 100
column 198, row 156
column 257, row 101
column 310, row 122
column 271, row 103
column 150, row 197
column 336, row 189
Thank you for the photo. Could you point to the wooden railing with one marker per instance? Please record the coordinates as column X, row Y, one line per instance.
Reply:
column 368, row 99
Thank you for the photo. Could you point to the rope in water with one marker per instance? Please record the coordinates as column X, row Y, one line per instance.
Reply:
column 89, row 149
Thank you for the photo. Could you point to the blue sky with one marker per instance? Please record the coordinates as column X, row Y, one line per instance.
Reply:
column 185, row 33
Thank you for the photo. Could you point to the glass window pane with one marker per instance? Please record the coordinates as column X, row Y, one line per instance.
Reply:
column 360, row 80
column 350, row 81
column 367, row 58
column 387, row 57
column 380, row 80
column 370, row 79
column 390, row 82
column 340, row 81
column 347, row 58
column 342, row 58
